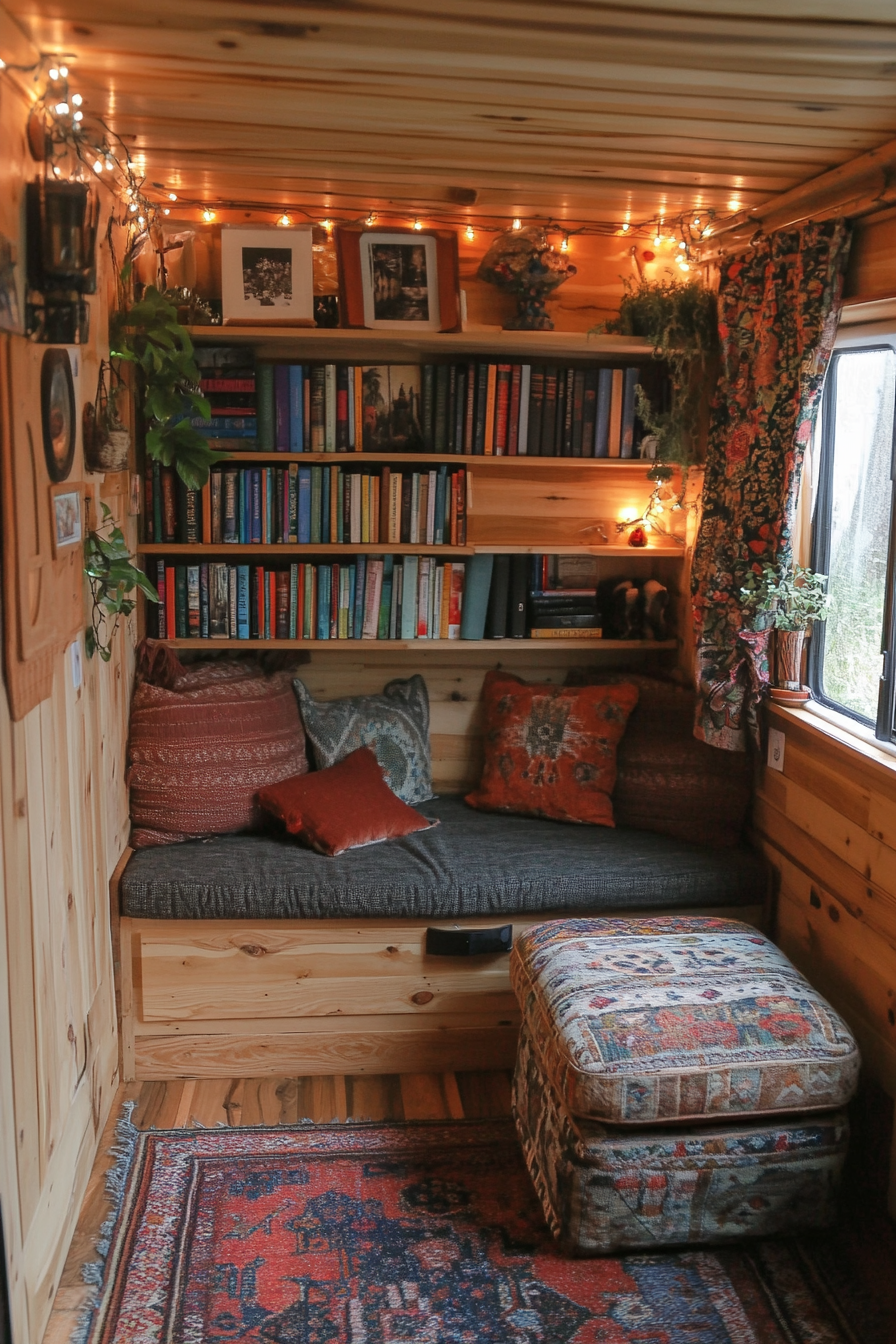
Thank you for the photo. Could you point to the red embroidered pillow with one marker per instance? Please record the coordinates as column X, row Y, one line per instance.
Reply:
column 550, row 751
column 345, row 806
column 200, row 753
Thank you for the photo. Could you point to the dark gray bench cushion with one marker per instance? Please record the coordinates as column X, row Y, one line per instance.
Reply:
column 474, row 863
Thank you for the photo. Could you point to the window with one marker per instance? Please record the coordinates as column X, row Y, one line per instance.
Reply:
column 851, row 663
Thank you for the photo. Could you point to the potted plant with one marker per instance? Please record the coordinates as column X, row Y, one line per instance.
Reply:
column 113, row 578
column 793, row 600
column 106, row 438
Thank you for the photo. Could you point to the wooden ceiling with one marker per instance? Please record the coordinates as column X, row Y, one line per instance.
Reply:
column 579, row 111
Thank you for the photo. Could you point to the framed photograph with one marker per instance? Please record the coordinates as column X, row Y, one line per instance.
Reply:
column 65, row 520
column 398, row 279
column 266, row 276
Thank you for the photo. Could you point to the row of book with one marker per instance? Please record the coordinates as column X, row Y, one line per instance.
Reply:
column 309, row 505
column 388, row 597
column 478, row 408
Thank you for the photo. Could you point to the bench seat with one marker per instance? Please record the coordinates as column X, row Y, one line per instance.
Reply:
column 473, row 864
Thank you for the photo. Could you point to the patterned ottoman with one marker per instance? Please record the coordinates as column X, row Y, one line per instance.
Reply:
column 678, row 1081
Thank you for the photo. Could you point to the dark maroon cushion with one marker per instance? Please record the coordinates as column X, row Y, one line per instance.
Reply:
column 666, row 779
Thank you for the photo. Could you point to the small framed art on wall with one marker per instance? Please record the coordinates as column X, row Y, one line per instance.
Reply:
column 398, row 279
column 266, row 276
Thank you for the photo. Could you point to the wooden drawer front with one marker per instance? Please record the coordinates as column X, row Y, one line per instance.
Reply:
column 244, row 972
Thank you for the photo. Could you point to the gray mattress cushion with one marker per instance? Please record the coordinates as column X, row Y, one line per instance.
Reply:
column 474, row 863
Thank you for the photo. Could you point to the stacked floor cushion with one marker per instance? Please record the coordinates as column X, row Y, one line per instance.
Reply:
column 473, row 863
column 678, row 1081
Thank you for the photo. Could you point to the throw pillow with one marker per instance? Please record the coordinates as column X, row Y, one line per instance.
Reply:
column 199, row 755
column 550, row 751
column 395, row 725
column 666, row 779
column 342, row 807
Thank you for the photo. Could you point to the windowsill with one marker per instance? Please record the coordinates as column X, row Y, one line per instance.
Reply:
column 853, row 737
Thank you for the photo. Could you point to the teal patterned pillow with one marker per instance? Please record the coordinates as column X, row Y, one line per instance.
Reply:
column 395, row 725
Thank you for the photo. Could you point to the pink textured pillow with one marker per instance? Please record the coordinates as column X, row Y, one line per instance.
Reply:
column 199, row 755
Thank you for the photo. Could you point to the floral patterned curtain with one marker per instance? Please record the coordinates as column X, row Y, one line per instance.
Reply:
column 778, row 311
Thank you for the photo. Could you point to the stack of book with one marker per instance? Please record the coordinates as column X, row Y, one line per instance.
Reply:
column 478, row 408
column 228, row 382
column 309, row 506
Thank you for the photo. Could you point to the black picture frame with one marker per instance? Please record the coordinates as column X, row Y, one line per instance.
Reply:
column 57, row 413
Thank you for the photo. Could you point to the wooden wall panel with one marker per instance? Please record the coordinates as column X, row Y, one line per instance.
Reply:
column 63, row 823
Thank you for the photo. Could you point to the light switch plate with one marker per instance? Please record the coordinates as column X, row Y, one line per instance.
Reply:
column 77, row 668
column 776, row 742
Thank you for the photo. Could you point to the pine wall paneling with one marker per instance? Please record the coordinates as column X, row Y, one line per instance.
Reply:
column 63, row 825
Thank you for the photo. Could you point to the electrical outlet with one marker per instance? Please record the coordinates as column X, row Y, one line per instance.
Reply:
column 776, row 743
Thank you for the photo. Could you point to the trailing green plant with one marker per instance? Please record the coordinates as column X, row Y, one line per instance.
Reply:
column 679, row 317
column 113, row 577
column 148, row 335
column 794, row 600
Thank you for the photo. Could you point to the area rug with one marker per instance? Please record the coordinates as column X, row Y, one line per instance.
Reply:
column 418, row 1233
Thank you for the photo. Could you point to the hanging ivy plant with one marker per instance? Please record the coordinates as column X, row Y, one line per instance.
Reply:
column 680, row 319
column 148, row 335
column 113, row 577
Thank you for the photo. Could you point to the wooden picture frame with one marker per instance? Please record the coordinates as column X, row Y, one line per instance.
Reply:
column 266, row 276
column 66, row 516
column 57, row 412
column 370, row 257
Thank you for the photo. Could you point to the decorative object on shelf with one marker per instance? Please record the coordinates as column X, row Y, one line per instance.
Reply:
column 633, row 608
column 326, row 310
column 149, row 336
column 57, row 413
column 113, row 577
column 192, row 310
column 61, row 223
column 65, row 522
column 680, row 318
column 523, row 262
column 793, row 601
column 638, row 536
column 106, row 439
column 664, row 498
column 398, row 279
column 266, row 276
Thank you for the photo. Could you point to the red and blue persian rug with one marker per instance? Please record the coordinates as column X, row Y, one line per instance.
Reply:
column 414, row 1234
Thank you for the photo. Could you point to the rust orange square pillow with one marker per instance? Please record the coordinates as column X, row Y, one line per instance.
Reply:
column 550, row 751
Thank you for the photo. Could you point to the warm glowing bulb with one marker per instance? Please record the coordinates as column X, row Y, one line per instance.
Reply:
column 77, row 99
column 172, row 196
column 62, row 109
column 327, row 224
column 208, row 215
column 79, row 116
column 696, row 221
column 682, row 245
column 57, row 171
column 133, row 207
column 517, row 223
column 98, row 166
column 417, row 225
column 284, row 221
column 629, row 515
column 53, row 73
column 658, row 240
column 371, row 219
column 626, row 227
column 2, row 64
column 165, row 210
column 683, row 265
column 63, row 70
column 469, row 233
column 564, row 246
column 141, row 221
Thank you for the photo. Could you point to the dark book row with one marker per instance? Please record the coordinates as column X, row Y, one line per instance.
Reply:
column 308, row 506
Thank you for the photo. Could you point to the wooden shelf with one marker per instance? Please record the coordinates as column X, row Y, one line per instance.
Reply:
column 384, row 347
column 281, row 550
column 634, row 464
column 458, row 645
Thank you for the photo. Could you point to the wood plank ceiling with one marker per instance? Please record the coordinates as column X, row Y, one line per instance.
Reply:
column 579, row 111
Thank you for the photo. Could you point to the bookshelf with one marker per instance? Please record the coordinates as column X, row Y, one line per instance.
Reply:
column 516, row 505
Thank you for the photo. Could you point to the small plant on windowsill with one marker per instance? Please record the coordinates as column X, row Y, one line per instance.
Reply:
column 112, row 577
column 793, row 600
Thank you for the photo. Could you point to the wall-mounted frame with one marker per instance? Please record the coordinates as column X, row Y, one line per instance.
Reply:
column 266, row 276
column 66, row 516
column 401, row 280
column 57, row 413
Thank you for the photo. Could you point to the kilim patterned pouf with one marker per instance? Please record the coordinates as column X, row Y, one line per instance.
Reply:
column 634, row 1032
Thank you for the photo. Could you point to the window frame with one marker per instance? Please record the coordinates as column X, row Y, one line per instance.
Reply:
column 870, row 337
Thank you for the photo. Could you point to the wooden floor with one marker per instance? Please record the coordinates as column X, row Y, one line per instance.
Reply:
column 208, row 1103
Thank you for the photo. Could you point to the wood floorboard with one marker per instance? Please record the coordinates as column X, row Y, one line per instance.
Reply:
column 209, row 1102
